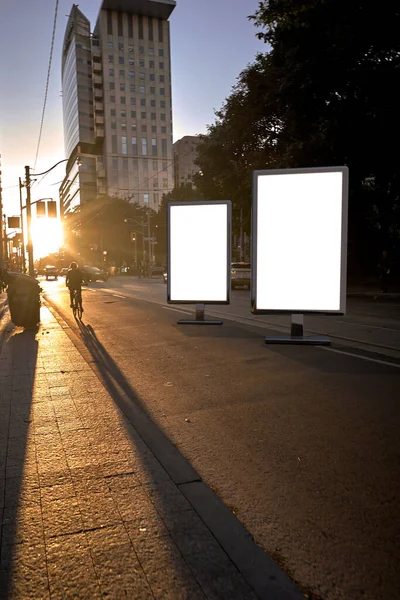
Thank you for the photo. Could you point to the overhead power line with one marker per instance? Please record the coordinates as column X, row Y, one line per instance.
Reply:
column 47, row 84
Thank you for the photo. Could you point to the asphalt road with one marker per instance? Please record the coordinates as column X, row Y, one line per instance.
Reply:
column 302, row 443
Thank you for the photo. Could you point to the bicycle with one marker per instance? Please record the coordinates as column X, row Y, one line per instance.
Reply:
column 76, row 305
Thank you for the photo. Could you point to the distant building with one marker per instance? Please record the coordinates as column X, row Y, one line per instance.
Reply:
column 185, row 153
column 117, row 103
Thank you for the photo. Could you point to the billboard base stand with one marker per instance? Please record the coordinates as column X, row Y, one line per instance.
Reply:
column 297, row 335
column 200, row 320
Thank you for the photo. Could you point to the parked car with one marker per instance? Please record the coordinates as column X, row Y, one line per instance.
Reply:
column 51, row 272
column 240, row 274
column 64, row 271
column 94, row 274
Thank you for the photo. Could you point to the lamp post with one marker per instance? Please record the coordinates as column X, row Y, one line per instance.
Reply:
column 28, row 175
column 142, row 225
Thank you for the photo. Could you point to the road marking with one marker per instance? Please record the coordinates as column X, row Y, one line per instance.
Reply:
column 368, row 358
column 187, row 312
column 119, row 296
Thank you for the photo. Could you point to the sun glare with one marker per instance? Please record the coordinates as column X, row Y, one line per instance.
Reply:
column 47, row 236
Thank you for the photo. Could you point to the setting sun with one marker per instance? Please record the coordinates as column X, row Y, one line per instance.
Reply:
column 47, row 236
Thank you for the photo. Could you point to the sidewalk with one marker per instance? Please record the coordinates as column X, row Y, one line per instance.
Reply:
column 88, row 511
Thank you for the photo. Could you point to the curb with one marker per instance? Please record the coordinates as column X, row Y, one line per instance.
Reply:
column 263, row 575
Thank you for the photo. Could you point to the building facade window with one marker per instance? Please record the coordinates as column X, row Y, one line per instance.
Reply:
column 162, row 104
column 112, row 112
column 153, row 116
column 134, row 146
column 121, row 87
column 111, row 72
column 132, row 62
column 162, row 116
column 123, row 100
column 152, row 77
column 154, row 147
column 110, row 58
column 161, row 66
column 122, row 73
column 141, row 62
column 133, row 100
column 143, row 115
column 110, row 44
column 145, row 198
column 155, row 167
column 141, row 49
column 162, row 91
column 165, row 183
column 123, row 144
column 151, row 64
column 121, row 60
column 164, row 147
column 152, row 90
column 123, row 113
column 120, row 47
column 141, row 89
column 133, row 114
column 163, row 129
column 151, row 51
column 113, row 125
column 123, row 125
column 162, row 78
column 160, row 52
column 144, row 146
column 153, row 129
column 132, row 74
column 114, row 144
column 111, row 85
column 112, row 99
column 153, row 103
column 143, row 102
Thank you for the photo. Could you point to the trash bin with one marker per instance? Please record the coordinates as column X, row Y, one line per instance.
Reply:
column 23, row 294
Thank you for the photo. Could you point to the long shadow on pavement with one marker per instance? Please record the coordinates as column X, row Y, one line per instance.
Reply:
column 20, row 529
column 173, row 534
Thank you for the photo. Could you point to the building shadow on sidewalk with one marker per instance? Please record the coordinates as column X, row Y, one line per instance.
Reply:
column 179, row 554
column 19, row 479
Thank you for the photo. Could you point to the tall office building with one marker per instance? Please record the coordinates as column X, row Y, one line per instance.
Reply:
column 117, row 104
column 185, row 154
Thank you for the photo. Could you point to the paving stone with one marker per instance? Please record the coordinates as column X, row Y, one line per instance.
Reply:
column 167, row 572
column 22, row 525
column 71, row 570
column 98, row 510
column 61, row 517
column 23, row 573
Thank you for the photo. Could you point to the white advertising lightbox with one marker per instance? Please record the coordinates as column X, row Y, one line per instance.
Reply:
column 299, row 241
column 199, row 252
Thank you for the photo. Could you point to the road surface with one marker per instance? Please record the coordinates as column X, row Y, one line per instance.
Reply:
column 302, row 443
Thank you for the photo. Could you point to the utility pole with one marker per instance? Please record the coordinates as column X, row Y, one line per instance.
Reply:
column 1, row 224
column 22, row 228
column 149, row 241
column 29, row 221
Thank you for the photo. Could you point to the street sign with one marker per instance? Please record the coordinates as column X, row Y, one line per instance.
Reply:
column 149, row 239
column 14, row 223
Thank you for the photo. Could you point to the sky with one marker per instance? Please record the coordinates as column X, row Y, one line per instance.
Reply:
column 212, row 41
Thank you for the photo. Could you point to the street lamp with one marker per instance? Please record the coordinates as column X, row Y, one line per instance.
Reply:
column 27, row 184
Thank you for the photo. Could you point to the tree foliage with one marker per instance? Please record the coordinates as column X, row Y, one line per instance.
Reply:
column 325, row 93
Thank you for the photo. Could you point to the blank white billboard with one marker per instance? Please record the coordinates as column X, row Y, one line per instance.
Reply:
column 299, row 241
column 199, row 252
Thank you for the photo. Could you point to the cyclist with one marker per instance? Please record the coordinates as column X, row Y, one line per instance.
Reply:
column 73, row 281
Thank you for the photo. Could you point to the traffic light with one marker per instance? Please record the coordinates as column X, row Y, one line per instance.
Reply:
column 133, row 236
column 41, row 208
column 52, row 209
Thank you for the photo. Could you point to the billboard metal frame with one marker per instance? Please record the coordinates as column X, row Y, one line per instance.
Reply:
column 343, row 259
column 228, row 204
